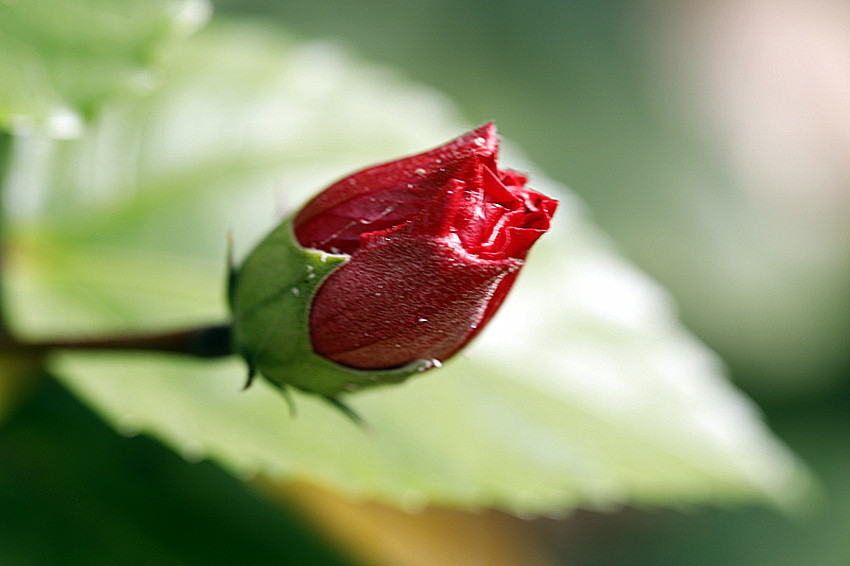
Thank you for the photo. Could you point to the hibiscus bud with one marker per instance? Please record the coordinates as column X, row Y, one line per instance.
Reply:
column 389, row 271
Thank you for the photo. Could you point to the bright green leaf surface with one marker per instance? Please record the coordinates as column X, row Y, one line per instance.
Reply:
column 58, row 58
column 583, row 391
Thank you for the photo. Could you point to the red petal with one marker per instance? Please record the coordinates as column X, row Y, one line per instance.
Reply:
column 436, row 241
column 404, row 300
column 388, row 194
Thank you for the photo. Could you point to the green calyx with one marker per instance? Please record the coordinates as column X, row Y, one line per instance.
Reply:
column 270, row 297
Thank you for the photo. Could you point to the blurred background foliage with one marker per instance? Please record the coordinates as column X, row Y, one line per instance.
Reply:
column 709, row 139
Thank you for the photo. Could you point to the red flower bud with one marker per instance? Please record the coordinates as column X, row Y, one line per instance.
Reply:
column 436, row 240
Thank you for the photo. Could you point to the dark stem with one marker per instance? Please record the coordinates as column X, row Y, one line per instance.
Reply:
column 200, row 342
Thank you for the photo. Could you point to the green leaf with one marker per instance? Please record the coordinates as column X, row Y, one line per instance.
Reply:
column 59, row 289
column 59, row 58
column 584, row 390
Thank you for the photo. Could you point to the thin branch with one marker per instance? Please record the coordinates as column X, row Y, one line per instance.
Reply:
column 201, row 342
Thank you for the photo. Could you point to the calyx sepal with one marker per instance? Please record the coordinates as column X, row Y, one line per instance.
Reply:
column 270, row 296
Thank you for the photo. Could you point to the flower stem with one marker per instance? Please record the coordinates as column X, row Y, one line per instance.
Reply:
column 201, row 342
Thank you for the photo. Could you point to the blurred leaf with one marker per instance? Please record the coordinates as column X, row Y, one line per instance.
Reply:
column 68, row 290
column 583, row 392
column 718, row 537
column 60, row 57
column 74, row 493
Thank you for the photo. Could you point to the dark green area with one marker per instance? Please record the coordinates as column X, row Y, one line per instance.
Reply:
column 72, row 491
